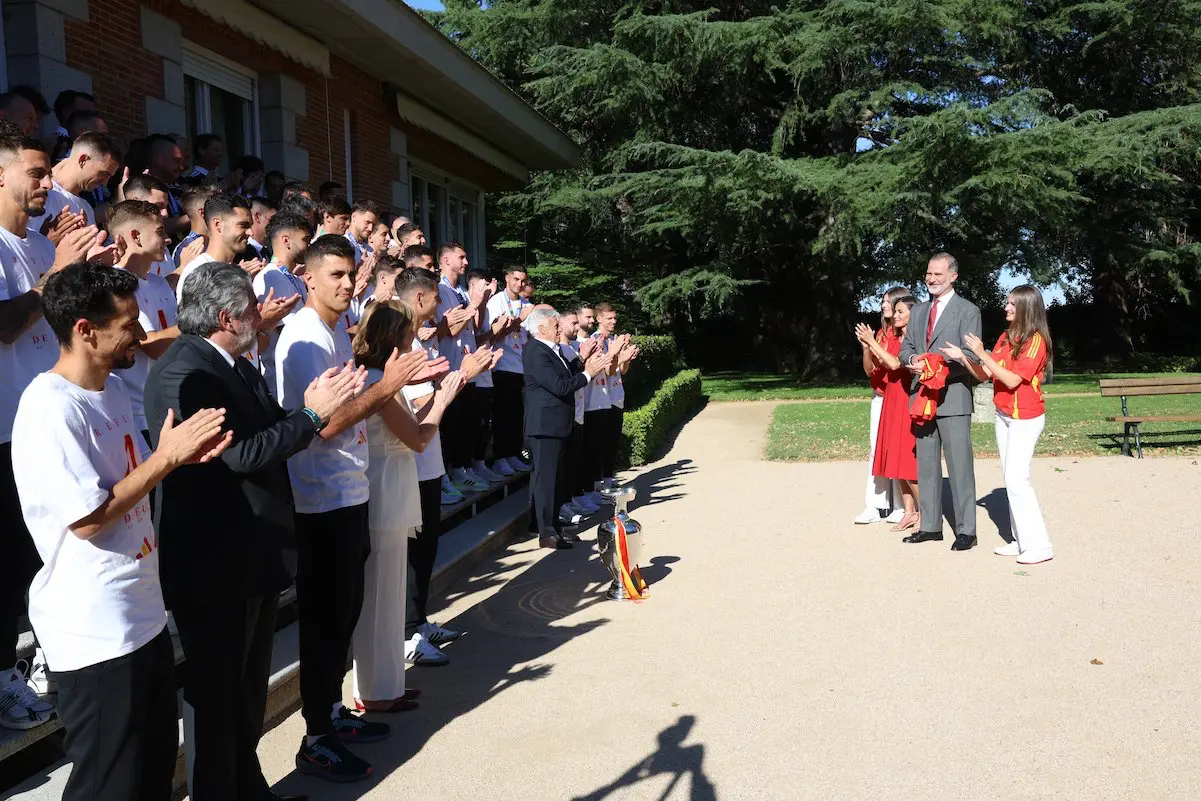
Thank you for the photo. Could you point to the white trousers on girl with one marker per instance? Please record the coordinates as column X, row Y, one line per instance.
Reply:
column 1016, row 440
column 379, row 636
column 878, row 494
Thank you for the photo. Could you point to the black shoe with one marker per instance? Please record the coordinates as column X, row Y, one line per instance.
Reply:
column 351, row 728
column 273, row 797
column 555, row 542
column 963, row 543
column 570, row 536
column 924, row 536
column 330, row 760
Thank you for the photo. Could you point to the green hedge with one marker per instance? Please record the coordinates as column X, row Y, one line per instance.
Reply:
column 646, row 428
column 658, row 360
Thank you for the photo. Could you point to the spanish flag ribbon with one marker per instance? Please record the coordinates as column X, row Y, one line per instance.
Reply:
column 631, row 578
column 931, row 381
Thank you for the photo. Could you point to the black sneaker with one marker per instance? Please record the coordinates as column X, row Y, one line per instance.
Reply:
column 351, row 728
column 330, row 760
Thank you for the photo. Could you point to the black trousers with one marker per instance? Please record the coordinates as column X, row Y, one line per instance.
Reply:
column 460, row 425
column 612, row 442
column 597, row 430
column 332, row 549
column 21, row 560
column 228, row 647
column 121, row 722
column 423, row 552
column 577, row 481
column 548, row 487
column 484, row 397
column 508, row 413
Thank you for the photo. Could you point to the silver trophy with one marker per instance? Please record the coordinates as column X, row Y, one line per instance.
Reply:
column 619, row 540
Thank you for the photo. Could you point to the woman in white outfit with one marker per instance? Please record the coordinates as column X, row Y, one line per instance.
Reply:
column 879, row 495
column 1017, row 368
column 394, row 433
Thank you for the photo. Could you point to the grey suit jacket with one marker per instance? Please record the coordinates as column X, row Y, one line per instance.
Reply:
column 958, row 317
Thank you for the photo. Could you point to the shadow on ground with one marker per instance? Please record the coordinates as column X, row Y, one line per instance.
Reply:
column 672, row 759
column 996, row 503
column 1151, row 440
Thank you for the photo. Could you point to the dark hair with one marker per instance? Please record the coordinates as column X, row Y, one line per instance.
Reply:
column 449, row 247
column 583, row 306
column 383, row 327
column 11, row 146
column 100, row 143
column 415, row 253
column 329, row 245
column 132, row 210
column 481, row 275
column 203, row 141
column 386, row 264
column 84, row 291
column 80, row 117
column 405, row 229
column 273, row 174
column 143, row 184
column 159, row 138
column 908, row 299
column 196, row 198
column 297, row 204
column 66, row 99
column 35, row 98
column 365, row 205
column 516, row 268
column 334, row 206
column 603, row 308
column 9, row 131
column 327, row 187
column 286, row 221
column 412, row 279
column 296, row 187
column 249, row 164
column 891, row 296
column 259, row 203
column 223, row 204
column 951, row 262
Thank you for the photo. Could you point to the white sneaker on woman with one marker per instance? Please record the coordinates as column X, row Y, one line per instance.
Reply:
column 868, row 515
column 419, row 651
column 895, row 517
column 1008, row 549
column 1035, row 557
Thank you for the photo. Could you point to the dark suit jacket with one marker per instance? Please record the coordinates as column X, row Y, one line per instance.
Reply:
column 959, row 317
column 550, row 388
column 223, row 526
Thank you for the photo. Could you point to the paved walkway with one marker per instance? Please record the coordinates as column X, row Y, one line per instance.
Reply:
column 786, row 654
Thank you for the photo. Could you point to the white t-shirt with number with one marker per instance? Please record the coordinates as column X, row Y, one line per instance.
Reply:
column 23, row 262
column 454, row 347
column 570, row 352
column 98, row 599
column 59, row 199
column 513, row 343
column 277, row 277
column 597, row 392
column 616, row 384
column 156, row 312
column 329, row 474
column 188, row 269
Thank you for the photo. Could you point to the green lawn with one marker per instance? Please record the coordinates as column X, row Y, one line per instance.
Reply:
column 814, row 432
column 734, row 386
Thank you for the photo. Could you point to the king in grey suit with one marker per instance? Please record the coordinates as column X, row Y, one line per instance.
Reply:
column 950, row 433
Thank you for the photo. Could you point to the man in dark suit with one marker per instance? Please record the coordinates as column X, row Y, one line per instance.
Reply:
column 944, row 319
column 223, row 526
column 550, row 386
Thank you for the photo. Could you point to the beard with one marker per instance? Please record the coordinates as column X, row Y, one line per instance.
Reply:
column 123, row 362
column 246, row 338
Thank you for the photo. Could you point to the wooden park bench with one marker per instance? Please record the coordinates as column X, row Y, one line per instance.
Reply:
column 1127, row 387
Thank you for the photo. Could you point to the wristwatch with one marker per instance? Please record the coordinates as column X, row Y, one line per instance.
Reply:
column 316, row 418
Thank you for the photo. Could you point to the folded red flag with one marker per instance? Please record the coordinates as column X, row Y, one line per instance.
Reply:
column 932, row 379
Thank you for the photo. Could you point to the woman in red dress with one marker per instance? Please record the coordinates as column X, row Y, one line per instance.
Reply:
column 896, row 456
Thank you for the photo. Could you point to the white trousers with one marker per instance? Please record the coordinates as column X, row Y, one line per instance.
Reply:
column 1016, row 440
column 879, row 494
column 379, row 636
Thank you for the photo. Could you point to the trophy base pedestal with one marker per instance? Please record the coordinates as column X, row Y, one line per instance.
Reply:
column 616, row 592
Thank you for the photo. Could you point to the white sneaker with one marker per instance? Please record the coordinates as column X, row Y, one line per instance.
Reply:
column 895, row 517
column 419, row 651
column 585, row 505
column 1035, row 557
column 436, row 635
column 20, row 707
column 868, row 515
column 1008, row 549
column 450, row 493
column 468, row 481
column 594, row 498
column 501, row 466
column 482, row 471
column 39, row 677
column 569, row 516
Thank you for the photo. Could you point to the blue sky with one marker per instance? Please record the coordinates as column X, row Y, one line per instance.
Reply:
column 432, row 5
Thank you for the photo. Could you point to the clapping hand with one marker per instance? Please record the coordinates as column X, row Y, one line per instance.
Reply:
column 363, row 277
column 431, row 370
column 252, row 266
column 953, row 352
column 475, row 363
column 449, row 387
column 588, row 347
column 426, row 332
column 864, row 334
column 973, row 344
column 106, row 254
column 401, row 369
column 273, row 310
column 192, row 250
column 597, row 363
column 459, row 314
column 194, row 441
column 55, row 228
column 330, row 390
column 628, row 354
column 74, row 246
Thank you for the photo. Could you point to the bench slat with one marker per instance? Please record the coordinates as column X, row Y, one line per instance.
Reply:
column 1158, row 389
column 1150, row 382
column 1176, row 418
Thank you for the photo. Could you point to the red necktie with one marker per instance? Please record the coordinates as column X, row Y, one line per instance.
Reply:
column 930, row 322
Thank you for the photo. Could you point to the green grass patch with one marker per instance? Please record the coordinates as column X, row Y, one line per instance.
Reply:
column 815, row 432
column 739, row 386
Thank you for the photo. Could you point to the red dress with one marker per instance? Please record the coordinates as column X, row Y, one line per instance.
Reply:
column 896, row 445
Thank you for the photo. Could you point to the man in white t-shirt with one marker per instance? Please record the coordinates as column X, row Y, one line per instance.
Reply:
column 27, row 348
column 623, row 353
column 152, row 190
column 480, row 285
column 228, row 220
column 141, row 231
column 97, row 605
column 505, row 312
column 92, row 161
column 288, row 235
column 330, row 488
column 578, row 486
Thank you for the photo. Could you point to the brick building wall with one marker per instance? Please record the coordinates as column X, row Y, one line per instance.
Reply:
column 109, row 47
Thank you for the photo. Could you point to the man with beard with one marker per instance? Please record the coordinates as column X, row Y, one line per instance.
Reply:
column 288, row 237
column 229, row 222
column 91, row 162
column 97, row 605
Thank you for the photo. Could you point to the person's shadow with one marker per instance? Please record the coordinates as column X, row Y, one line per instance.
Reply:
column 996, row 503
column 672, row 758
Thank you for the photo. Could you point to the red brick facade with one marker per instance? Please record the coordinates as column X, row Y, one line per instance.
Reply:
column 109, row 48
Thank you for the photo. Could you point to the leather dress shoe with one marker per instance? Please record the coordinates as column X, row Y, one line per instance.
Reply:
column 963, row 543
column 570, row 536
column 274, row 797
column 923, row 536
column 555, row 542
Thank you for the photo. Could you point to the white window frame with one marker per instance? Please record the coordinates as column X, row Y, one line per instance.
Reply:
column 460, row 190
column 349, row 165
column 204, row 67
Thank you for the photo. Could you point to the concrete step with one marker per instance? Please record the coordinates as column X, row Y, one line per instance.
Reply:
column 490, row 528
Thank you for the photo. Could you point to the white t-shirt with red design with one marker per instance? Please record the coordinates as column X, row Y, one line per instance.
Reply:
column 23, row 261
column 98, row 599
column 156, row 312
